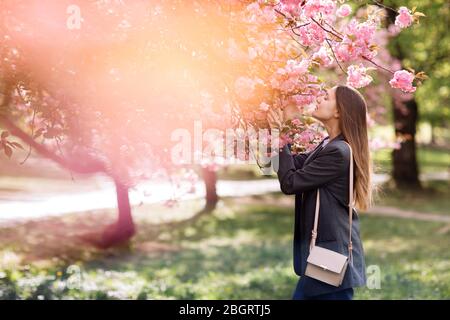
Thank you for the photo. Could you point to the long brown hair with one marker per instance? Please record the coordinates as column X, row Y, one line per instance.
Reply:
column 352, row 109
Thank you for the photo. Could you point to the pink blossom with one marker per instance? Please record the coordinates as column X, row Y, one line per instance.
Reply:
column 313, row 7
column 258, row 15
column 284, row 139
column 296, row 68
column 403, row 80
column 316, row 33
column 364, row 31
column 323, row 57
column 404, row 19
column 346, row 50
column 291, row 2
column 288, row 85
column 305, row 140
column 234, row 51
column 393, row 30
column 344, row 10
column 244, row 87
column 291, row 81
column 287, row 79
column 303, row 99
column 311, row 34
column 252, row 53
column 290, row 6
column 264, row 107
column 357, row 76
column 357, row 41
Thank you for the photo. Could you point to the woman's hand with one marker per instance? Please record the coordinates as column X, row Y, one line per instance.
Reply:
column 275, row 118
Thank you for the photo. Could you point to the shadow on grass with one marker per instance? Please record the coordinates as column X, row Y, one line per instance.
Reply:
column 269, row 223
column 241, row 252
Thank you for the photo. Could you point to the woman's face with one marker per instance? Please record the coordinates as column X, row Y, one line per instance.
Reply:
column 326, row 106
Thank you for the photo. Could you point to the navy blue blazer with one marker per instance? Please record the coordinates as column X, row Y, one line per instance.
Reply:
column 326, row 168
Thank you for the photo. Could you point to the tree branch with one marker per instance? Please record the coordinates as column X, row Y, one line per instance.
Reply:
column 384, row 6
column 92, row 166
column 335, row 58
column 374, row 63
column 326, row 30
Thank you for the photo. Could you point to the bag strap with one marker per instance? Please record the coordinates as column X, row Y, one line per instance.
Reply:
column 350, row 211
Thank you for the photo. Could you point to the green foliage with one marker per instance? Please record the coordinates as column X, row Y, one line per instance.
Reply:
column 426, row 47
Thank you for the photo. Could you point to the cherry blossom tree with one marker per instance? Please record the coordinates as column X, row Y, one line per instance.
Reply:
column 105, row 93
column 286, row 45
column 107, row 97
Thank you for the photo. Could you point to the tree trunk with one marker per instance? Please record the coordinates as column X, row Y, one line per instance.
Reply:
column 404, row 161
column 405, row 169
column 121, row 231
column 114, row 234
column 210, row 180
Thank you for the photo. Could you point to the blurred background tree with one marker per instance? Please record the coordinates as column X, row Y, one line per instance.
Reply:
column 424, row 47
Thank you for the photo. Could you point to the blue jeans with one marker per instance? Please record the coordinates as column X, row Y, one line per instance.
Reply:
column 344, row 294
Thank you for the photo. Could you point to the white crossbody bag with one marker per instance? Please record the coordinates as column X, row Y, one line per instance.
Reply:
column 327, row 265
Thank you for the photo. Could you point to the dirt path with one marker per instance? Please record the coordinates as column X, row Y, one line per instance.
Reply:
column 408, row 214
column 21, row 200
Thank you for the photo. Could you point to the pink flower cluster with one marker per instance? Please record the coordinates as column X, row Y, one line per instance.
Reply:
column 403, row 80
column 264, row 107
column 303, row 138
column 404, row 18
column 356, row 42
column 308, row 95
column 357, row 76
column 287, row 79
column 311, row 34
column 323, row 57
column 291, row 6
column 314, row 7
column 260, row 14
column 245, row 87
column 344, row 10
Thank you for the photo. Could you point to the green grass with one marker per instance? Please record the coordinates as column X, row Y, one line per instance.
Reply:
column 433, row 198
column 413, row 258
column 429, row 159
column 242, row 172
column 239, row 252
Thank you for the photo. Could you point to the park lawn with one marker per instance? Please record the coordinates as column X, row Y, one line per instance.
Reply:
column 434, row 197
column 242, row 172
column 241, row 251
column 430, row 160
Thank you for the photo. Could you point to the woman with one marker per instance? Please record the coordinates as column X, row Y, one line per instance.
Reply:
column 343, row 113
